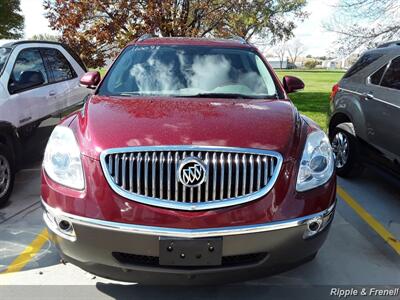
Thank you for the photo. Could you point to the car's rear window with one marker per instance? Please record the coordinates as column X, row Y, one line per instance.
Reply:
column 377, row 76
column 391, row 79
column 188, row 71
column 361, row 63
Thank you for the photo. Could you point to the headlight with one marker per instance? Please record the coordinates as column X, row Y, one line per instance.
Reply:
column 62, row 159
column 317, row 162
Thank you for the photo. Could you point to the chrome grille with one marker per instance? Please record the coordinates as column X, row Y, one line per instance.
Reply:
column 150, row 175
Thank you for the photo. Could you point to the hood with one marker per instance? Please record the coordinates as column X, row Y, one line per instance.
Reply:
column 110, row 122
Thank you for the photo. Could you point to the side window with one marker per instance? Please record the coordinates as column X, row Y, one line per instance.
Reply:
column 377, row 76
column 392, row 75
column 364, row 61
column 58, row 65
column 28, row 71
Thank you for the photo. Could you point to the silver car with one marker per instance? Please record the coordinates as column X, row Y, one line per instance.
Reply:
column 365, row 112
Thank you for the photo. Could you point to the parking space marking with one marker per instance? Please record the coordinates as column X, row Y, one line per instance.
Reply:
column 30, row 251
column 370, row 220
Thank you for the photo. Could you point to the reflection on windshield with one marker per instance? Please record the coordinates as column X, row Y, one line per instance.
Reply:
column 189, row 71
column 4, row 53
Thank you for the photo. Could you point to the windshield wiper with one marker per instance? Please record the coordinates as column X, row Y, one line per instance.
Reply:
column 228, row 96
column 130, row 94
column 203, row 95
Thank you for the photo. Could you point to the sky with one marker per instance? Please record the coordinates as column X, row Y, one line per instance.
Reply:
column 310, row 32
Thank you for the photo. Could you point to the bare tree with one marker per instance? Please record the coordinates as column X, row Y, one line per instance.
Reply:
column 280, row 51
column 295, row 49
column 45, row 37
column 363, row 24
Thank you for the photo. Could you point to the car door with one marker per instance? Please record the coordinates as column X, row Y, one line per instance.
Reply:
column 383, row 108
column 28, row 96
column 61, row 73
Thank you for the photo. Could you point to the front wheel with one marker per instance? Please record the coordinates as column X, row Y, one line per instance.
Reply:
column 347, row 151
column 7, row 174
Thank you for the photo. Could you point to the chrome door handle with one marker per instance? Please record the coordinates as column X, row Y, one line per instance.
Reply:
column 52, row 93
column 368, row 96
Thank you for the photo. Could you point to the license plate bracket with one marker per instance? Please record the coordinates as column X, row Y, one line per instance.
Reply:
column 190, row 252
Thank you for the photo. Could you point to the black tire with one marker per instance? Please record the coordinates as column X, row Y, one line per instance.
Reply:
column 351, row 166
column 7, row 174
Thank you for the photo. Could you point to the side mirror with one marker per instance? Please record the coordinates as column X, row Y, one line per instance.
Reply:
column 90, row 79
column 292, row 84
column 27, row 80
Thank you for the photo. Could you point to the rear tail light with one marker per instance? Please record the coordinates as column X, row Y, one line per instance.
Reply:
column 335, row 89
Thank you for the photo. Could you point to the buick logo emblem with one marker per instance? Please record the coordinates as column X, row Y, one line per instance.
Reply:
column 192, row 172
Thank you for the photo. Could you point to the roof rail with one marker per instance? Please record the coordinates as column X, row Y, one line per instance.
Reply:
column 389, row 44
column 145, row 37
column 238, row 38
column 67, row 48
column 20, row 42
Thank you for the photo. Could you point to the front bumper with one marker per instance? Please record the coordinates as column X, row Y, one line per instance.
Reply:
column 130, row 252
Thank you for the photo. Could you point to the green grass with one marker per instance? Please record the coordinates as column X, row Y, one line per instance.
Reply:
column 313, row 101
column 102, row 71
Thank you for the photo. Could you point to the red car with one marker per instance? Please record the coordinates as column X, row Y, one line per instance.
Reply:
column 189, row 164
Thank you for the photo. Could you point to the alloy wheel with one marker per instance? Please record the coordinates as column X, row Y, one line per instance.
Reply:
column 340, row 146
column 5, row 175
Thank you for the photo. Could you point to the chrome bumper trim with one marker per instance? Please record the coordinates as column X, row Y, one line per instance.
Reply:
column 184, row 233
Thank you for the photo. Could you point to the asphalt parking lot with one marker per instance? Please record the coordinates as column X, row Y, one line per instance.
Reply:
column 363, row 247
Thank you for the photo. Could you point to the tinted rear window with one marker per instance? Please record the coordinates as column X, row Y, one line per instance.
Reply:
column 58, row 64
column 392, row 75
column 363, row 62
column 377, row 76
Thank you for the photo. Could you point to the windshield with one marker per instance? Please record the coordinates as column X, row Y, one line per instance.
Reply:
column 189, row 71
column 4, row 54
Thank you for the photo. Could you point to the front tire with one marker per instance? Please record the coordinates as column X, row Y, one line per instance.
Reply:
column 7, row 174
column 347, row 151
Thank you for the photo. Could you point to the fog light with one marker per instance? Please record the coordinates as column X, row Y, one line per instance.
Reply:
column 65, row 225
column 313, row 227
column 60, row 225
column 317, row 224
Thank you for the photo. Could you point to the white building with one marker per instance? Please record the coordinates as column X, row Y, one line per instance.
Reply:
column 331, row 64
column 276, row 62
column 340, row 63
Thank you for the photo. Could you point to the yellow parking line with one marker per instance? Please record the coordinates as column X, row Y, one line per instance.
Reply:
column 370, row 220
column 30, row 251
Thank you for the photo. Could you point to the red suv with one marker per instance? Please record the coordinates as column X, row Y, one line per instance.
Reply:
column 189, row 164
